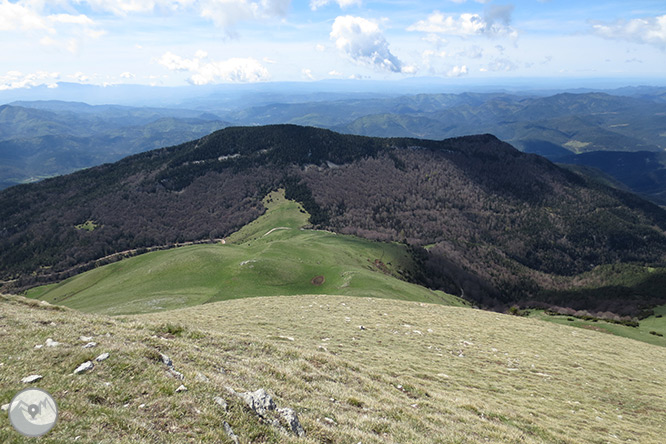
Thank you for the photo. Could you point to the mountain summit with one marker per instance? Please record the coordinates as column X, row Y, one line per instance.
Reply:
column 498, row 226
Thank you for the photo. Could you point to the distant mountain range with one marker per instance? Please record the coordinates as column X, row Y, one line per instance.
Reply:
column 44, row 139
column 483, row 219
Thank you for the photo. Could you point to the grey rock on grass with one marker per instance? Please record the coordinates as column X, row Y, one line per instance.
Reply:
column 85, row 367
column 102, row 357
column 30, row 379
column 230, row 433
column 291, row 418
column 221, row 402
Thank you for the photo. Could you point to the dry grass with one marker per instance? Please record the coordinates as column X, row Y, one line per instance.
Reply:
column 417, row 373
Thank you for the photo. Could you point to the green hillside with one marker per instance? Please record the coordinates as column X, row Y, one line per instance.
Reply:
column 417, row 373
column 270, row 256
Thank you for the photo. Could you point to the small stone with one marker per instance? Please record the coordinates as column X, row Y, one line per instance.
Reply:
column 200, row 377
column 166, row 360
column 330, row 421
column 90, row 345
column 102, row 357
column 142, row 406
column 51, row 343
column 360, row 327
column 4, row 407
column 176, row 374
column 291, row 418
column 181, row 388
column 86, row 366
column 85, row 338
column 38, row 346
column 30, row 379
column 230, row 433
column 221, row 402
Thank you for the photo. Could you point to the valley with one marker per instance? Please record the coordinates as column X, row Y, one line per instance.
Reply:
column 270, row 256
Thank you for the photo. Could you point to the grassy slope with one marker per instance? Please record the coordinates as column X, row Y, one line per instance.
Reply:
column 270, row 256
column 640, row 333
column 419, row 373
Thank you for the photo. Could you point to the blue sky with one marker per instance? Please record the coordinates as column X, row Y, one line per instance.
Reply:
column 201, row 42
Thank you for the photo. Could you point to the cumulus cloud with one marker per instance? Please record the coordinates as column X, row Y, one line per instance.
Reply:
column 16, row 79
column 204, row 72
column 651, row 30
column 495, row 24
column 15, row 16
column 127, row 75
column 316, row 4
column 457, row 71
column 362, row 41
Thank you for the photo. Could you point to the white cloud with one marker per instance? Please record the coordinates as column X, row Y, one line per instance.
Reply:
column 457, row 71
column 16, row 79
column 500, row 65
column 362, row 41
column 651, row 30
column 125, row 7
column 15, row 16
column 226, row 13
column 204, row 72
column 69, row 19
column 307, row 73
column 467, row 24
column 127, row 75
column 316, row 4
column 335, row 73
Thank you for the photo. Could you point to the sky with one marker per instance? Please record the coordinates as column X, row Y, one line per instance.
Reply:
column 204, row 42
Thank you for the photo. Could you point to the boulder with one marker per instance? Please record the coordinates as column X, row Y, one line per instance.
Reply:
column 260, row 401
column 102, row 357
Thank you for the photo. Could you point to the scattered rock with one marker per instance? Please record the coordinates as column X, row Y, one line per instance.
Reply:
column 90, row 345
column 230, row 433
column 38, row 346
column 360, row 327
column 200, row 377
column 221, row 402
column 102, row 357
column 181, row 388
column 5, row 407
column 260, row 401
column 330, row 421
column 291, row 418
column 85, row 338
column 30, row 379
column 261, row 404
column 51, row 343
column 86, row 366
column 169, row 363
column 166, row 360
column 142, row 406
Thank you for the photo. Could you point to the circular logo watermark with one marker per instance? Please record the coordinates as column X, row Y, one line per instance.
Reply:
column 33, row 412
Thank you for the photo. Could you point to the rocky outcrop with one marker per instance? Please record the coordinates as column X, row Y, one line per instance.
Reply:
column 261, row 403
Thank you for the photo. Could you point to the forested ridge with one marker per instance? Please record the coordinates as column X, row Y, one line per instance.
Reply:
column 500, row 226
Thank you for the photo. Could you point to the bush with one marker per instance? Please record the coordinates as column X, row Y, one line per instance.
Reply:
column 652, row 332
